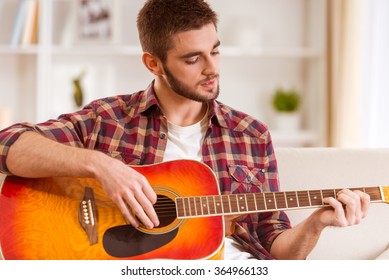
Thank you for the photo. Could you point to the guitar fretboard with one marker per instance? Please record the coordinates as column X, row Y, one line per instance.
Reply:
column 198, row 206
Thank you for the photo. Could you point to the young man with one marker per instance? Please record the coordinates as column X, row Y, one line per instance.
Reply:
column 177, row 116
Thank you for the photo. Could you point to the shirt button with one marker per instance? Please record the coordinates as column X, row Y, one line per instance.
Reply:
column 162, row 136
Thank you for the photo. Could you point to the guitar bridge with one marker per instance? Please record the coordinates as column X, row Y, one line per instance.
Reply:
column 87, row 215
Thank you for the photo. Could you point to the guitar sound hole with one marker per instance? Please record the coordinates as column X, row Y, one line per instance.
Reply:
column 166, row 210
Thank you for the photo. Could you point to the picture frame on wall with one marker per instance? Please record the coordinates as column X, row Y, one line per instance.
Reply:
column 96, row 21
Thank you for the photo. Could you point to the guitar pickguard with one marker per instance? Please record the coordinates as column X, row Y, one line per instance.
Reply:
column 126, row 241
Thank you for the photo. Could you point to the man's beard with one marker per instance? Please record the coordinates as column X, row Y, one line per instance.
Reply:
column 183, row 90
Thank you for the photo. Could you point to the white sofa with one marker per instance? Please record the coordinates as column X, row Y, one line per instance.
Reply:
column 321, row 168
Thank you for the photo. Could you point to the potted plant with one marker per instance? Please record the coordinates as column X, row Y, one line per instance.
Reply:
column 286, row 104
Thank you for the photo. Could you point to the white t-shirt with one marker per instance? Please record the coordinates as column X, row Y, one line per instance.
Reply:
column 184, row 142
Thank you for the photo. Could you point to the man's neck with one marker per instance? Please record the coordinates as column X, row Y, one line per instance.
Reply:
column 177, row 109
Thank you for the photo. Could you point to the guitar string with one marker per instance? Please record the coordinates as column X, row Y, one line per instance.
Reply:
column 165, row 204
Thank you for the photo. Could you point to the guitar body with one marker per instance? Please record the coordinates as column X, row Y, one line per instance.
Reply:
column 40, row 219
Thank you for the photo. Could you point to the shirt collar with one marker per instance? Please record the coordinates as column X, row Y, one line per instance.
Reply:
column 148, row 101
column 218, row 114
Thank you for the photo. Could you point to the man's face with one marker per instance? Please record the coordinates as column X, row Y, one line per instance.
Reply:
column 192, row 65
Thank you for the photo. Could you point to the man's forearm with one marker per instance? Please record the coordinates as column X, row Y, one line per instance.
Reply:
column 33, row 155
column 299, row 241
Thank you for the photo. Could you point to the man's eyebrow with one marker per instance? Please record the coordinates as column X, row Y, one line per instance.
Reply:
column 196, row 53
column 217, row 44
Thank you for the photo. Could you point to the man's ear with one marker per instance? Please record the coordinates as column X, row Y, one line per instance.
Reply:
column 152, row 63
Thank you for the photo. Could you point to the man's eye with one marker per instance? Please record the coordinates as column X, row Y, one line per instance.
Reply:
column 192, row 61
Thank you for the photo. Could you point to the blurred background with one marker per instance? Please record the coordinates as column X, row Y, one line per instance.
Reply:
column 315, row 71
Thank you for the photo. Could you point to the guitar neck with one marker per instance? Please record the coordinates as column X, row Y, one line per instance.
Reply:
column 201, row 206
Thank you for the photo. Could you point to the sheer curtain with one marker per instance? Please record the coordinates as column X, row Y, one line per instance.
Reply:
column 345, row 72
column 376, row 74
column 358, row 73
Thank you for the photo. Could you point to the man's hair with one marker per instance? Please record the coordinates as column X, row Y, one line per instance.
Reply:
column 159, row 20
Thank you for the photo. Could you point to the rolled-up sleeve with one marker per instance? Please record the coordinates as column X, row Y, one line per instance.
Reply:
column 70, row 129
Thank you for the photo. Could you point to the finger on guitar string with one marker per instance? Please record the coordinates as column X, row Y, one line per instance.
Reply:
column 142, row 208
column 355, row 204
column 349, row 207
column 365, row 202
column 128, row 216
column 130, row 191
column 339, row 218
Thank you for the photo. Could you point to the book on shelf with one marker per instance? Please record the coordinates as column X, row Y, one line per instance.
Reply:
column 25, row 31
column 19, row 23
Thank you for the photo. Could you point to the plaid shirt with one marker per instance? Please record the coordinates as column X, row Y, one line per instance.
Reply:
column 131, row 128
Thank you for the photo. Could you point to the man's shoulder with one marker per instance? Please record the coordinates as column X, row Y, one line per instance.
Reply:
column 240, row 121
column 116, row 106
column 118, row 100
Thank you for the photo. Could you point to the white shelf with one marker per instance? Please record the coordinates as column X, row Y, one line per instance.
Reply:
column 16, row 50
column 97, row 50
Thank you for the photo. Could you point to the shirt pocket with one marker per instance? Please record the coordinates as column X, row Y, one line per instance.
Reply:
column 249, row 178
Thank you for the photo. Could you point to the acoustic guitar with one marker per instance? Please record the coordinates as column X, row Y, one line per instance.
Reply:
column 72, row 218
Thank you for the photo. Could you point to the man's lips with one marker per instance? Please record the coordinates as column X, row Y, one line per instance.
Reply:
column 209, row 83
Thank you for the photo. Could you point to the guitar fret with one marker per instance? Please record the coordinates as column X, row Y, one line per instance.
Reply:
column 186, row 207
column 269, row 201
column 199, row 208
column 328, row 193
column 226, row 204
column 241, row 203
column 275, row 200
column 251, row 203
column 204, row 203
column 255, row 201
column 237, row 203
column 234, row 203
column 303, row 198
column 259, row 198
column 208, row 205
column 376, row 194
column 280, row 200
column 218, row 205
column 292, row 199
column 180, row 207
column 192, row 207
column 315, row 198
column 211, row 205
column 262, row 201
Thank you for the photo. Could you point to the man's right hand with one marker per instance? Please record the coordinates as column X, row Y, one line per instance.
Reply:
column 130, row 191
